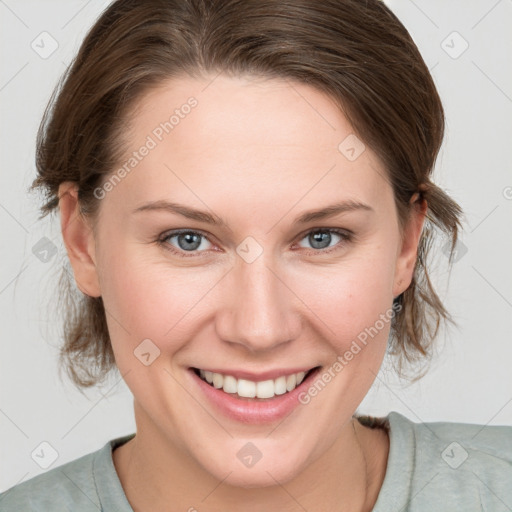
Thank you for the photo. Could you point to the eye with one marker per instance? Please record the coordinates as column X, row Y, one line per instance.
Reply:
column 186, row 241
column 192, row 242
column 320, row 239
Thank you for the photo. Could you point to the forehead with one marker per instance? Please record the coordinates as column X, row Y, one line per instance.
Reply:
column 274, row 113
column 265, row 138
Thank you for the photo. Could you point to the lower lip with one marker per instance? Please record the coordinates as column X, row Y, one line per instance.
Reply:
column 251, row 411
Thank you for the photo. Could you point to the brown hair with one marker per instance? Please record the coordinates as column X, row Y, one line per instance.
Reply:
column 356, row 52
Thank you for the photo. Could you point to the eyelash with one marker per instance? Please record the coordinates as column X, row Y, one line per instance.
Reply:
column 163, row 241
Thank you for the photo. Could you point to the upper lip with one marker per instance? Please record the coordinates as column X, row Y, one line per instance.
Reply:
column 260, row 376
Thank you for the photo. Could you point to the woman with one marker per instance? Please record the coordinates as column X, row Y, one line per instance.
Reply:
column 245, row 199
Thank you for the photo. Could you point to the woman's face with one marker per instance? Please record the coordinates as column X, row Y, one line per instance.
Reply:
column 261, row 294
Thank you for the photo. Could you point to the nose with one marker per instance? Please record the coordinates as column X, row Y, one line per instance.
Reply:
column 260, row 311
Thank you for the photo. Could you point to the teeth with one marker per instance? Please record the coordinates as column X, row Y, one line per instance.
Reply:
column 291, row 382
column 245, row 388
column 249, row 389
column 229, row 385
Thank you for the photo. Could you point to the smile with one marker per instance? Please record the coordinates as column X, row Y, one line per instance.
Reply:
column 253, row 400
column 250, row 389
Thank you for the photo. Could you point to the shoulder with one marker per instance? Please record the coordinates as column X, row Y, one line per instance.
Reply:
column 72, row 486
column 63, row 487
column 461, row 465
column 464, row 446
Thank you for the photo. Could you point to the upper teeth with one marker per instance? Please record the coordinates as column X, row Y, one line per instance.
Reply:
column 249, row 389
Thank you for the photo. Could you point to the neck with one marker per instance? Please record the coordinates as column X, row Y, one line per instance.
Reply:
column 159, row 475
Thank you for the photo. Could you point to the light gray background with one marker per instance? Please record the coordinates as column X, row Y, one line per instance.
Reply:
column 470, row 381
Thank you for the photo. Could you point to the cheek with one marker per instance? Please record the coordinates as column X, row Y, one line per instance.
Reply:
column 352, row 315
column 147, row 299
column 352, row 300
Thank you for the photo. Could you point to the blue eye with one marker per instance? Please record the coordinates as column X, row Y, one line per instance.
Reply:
column 191, row 242
column 320, row 239
column 187, row 241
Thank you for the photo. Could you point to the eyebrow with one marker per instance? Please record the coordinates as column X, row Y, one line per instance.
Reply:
column 210, row 218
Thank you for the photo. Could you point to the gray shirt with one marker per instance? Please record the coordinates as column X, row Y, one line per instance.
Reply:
column 439, row 466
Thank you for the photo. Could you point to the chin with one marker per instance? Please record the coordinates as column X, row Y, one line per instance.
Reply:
column 274, row 469
column 253, row 479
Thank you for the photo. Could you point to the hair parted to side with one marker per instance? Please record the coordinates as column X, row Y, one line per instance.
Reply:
column 358, row 53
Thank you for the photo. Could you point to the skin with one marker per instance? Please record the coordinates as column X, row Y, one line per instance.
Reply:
column 257, row 153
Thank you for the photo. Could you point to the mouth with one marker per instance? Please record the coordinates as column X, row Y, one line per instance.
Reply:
column 249, row 390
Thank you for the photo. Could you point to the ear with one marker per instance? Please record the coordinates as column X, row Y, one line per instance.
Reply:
column 408, row 253
column 79, row 240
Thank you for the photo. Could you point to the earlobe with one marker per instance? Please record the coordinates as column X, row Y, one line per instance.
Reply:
column 407, row 257
column 79, row 240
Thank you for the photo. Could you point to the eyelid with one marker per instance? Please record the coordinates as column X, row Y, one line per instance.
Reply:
column 162, row 240
column 346, row 235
